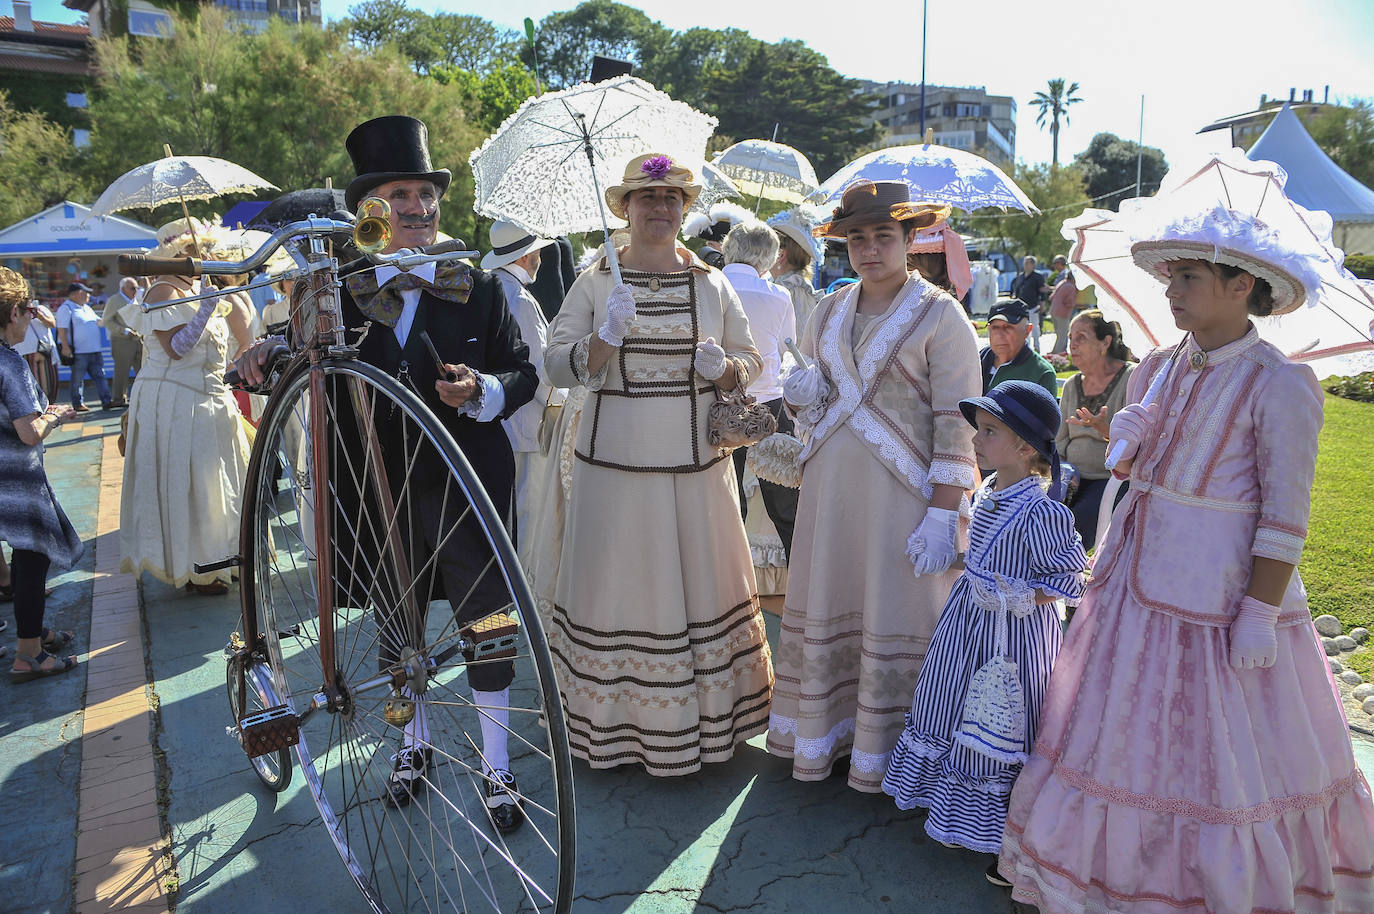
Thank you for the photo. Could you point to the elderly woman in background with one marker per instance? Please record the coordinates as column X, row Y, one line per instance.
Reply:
column 792, row 271
column 656, row 632
column 750, row 251
column 886, row 460
column 187, row 451
column 1090, row 399
column 31, row 520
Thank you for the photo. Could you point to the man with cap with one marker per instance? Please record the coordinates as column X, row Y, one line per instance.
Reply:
column 1009, row 355
column 514, row 259
column 464, row 313
column 78, row 335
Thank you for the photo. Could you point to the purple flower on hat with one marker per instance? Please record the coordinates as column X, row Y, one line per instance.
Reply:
column 656, row 167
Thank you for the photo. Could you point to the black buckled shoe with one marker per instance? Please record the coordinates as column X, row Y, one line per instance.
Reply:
column 504, row 805
column 408, row 769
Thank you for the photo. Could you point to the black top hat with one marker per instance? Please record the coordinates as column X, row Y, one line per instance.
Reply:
column 392, row 148
column 1031, row 412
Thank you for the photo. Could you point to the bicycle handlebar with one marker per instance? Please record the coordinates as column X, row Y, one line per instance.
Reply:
column 143, row 265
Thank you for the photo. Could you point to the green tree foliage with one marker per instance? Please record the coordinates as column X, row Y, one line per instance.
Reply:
column 38, row 161
column 279, row 103
column 1061, row 193
column 1054, row 106
column 1109, row 165
column 1347, row 135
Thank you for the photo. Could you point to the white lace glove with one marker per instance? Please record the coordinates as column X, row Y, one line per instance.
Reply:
column 1253, row 642
column 1130, row 425
column 1017, row 597
column 187, row 337
column 709, row 359
column 931, row 545
column 620, row 313
column 805, row 387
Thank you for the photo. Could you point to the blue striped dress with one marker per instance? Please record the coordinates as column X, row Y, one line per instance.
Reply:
column 1022, row 535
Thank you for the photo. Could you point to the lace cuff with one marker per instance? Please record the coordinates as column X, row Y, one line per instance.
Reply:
column 578, row 356
column 1280, row 545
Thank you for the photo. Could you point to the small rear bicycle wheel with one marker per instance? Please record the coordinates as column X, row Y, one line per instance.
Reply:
column 403, row 533
column 250, row 693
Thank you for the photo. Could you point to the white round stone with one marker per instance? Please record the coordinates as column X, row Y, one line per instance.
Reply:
column 1363, row 691
column 1368, row 706
column 1346, row 643
column 1350, row 677
column 1361, row 635
column 1329, row 645
column 1329, row 626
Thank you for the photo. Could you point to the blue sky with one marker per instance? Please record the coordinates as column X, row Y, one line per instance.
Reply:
column 1194, row 60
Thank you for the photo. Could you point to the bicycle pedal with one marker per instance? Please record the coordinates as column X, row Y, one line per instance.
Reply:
column 269, row 731
column 495, row 637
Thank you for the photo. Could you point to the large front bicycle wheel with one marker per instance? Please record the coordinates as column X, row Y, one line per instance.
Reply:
column 422, row 587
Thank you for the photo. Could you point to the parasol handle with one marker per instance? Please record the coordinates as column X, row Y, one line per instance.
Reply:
column 1114, row 453
column 611, row 257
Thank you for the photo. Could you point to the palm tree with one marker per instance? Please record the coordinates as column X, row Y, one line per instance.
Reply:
column 1055, row 105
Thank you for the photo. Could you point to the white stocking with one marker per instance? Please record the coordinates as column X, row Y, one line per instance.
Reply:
column 495, row 716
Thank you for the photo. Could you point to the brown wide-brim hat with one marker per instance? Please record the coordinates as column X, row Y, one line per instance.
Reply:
column 652, row 169
column 866, row 202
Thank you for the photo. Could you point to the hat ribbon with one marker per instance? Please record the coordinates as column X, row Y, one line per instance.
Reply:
column 503, row 249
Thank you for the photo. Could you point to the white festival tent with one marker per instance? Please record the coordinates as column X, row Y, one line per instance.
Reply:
column 1317, row 183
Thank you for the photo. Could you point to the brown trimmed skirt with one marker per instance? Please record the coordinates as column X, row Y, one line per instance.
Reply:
column 656, row 631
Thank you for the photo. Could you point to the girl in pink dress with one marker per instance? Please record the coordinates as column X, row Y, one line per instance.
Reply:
column 1193, row 757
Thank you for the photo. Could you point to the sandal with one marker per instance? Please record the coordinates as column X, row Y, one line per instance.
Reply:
column 36, row 671
column 54, row 641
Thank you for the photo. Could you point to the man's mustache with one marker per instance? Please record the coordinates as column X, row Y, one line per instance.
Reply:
column 417, row 219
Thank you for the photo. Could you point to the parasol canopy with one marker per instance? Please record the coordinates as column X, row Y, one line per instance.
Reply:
column 936, row 174
column 174, row 179
column 534, row 170
column 1333, row 330
column 764, row 169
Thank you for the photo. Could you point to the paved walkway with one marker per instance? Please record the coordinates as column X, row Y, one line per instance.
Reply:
column 132, row 749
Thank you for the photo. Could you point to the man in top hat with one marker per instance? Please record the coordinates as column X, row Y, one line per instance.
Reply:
column 1008, row 354
column 465, row 315
column 514, row 260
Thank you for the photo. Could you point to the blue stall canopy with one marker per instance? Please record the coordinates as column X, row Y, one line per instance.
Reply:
column 62, row 231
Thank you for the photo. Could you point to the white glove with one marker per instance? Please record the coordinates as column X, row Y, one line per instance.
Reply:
column 709, row 359
column 620, row 313
column 1253, row 642
column 931, row 545
column 1017, row 597
column 805, row 387
column 1131, row 425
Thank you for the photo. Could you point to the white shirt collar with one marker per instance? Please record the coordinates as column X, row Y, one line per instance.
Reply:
column 518, row 272
column 386, row 273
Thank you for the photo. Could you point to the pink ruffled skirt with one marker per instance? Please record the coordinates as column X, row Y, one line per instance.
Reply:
column 1165, row 781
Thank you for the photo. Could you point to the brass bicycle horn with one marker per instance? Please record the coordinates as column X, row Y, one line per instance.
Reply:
column 372, row 232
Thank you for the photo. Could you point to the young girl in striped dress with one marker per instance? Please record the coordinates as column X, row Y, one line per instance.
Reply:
column 978, row 697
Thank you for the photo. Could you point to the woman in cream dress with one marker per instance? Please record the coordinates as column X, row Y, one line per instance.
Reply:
column 656, row 630
column 187, row 453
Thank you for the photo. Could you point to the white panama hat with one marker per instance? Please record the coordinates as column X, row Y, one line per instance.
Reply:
column 509, row 242
column 1221, row 235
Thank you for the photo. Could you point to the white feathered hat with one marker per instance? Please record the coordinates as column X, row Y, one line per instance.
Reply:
column 1221, row 235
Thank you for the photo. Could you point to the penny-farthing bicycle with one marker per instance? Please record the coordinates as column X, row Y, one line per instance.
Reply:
column 348, row 634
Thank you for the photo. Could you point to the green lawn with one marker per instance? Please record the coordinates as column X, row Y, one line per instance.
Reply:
column 1338, row 561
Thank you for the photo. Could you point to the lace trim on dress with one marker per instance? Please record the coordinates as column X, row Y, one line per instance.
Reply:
column 1209, row 815
column 820, row 747
column 580, row 351
column 1279, row 545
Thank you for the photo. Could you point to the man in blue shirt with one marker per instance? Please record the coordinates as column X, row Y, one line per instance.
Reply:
column 78, row 333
